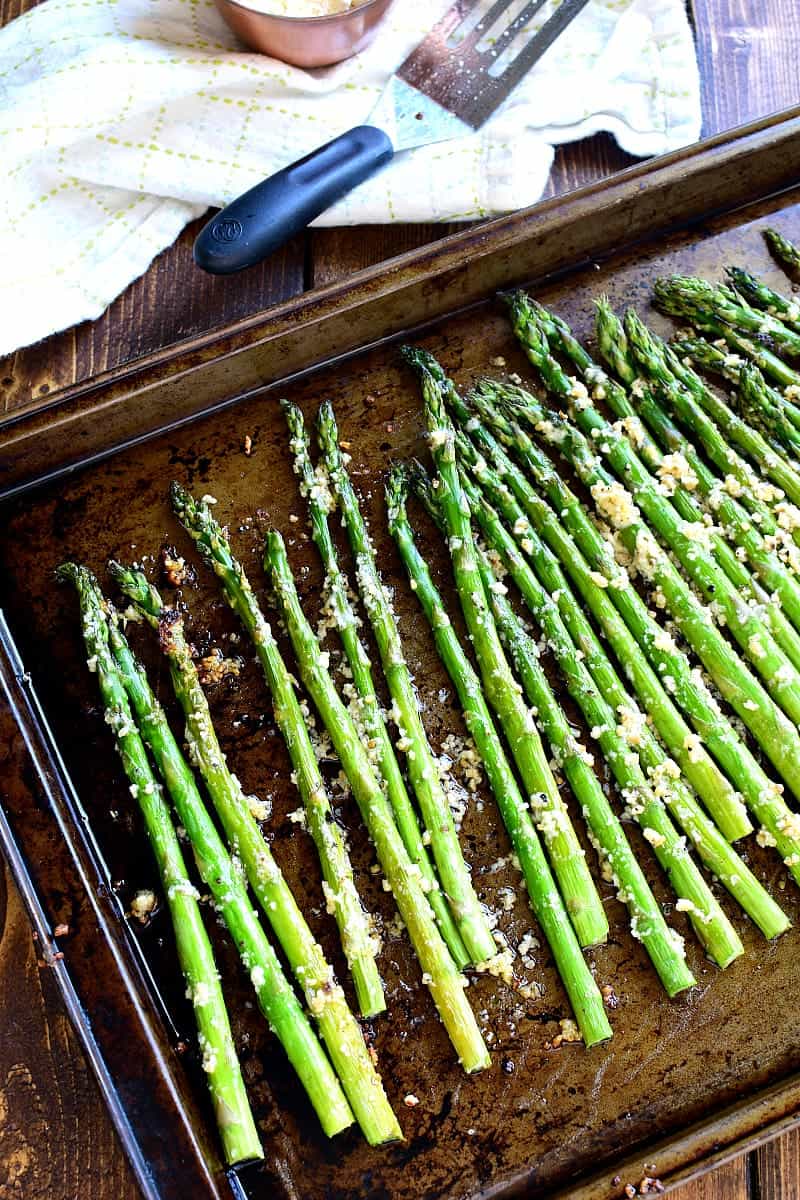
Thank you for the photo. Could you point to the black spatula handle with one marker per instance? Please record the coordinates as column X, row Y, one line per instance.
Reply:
column 269, row 214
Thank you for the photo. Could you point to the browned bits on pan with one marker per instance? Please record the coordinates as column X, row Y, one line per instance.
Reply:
column 610, row 998
column 175, row 569
column 61, row 931
column 248, row 445
column 215, row 667
column 370, row 401
column 630, row 1191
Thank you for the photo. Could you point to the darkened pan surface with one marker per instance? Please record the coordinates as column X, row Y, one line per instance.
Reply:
column 539, row 1119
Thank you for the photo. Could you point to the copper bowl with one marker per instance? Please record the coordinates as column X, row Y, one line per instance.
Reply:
column 305, row 41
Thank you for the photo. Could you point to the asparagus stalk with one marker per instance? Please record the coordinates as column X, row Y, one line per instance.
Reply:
column 323, row 993
column 733, row 495
column 766, row 411
column 746, row 531
column 768, row 721
column 662, row 773
column 660, row 362
column 655, row 356
column 785, row 251
column 545, row 898
column 694, row 895
column 730, row 365
column 621, row 503
column 358, row 941
column 420, row 761
column 600, row 580
column 518, row 502
column 736, row 523
column 773, row 465
column 742, row 348
column 684, row 295
column 663, row 945
column 739, row 478
column 237, row 1128
column 759, row 295
column 315, row 487
column 404, row 877
column 598, row 382
column 500, row 687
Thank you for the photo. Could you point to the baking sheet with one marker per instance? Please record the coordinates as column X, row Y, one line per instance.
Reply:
column 539, row 1119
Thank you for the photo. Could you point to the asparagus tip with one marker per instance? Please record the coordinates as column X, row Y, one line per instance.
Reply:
column 69, row 572
column 396, row 494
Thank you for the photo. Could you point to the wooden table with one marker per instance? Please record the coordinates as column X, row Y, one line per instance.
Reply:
column 56, row 1142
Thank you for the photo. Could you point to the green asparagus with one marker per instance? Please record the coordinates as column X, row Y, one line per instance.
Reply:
column 522, row 502
column 769, row 463
column 647, row 923
column 545, row 899
column 759, row 295
column 500, row 687
column 738, row 477
column 617, row 342
column 421, row 764
column 636, row 492
column 599, row 580
column 785, row 251
column 741, row 347
column 688, row 296
column 663, row 774
column 323, row 994
column 766, row 411
column 618, row 740
column 681, row 481
column 663, row 945
column 342, row 898
column 403, row 877
column 237, row 1128
column 729, row 366
column 314, row 485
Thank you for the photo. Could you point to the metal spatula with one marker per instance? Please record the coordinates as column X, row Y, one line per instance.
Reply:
column 449, row 85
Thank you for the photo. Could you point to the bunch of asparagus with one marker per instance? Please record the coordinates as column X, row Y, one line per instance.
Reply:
column 671, row 612
column 696, row 519
column 345, row 1084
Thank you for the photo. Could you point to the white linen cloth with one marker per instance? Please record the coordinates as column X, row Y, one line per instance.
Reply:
column 122, row 120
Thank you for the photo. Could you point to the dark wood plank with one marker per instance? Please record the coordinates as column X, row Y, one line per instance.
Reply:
column 748, row 55
column 777, row 1169
column 729, row 1182
column 56, row 1141
column 171, row 301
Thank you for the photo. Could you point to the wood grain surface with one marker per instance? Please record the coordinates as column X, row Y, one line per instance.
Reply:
column 56, row 1142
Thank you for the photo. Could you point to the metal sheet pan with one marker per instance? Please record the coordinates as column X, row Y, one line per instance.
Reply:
column 683, row 1082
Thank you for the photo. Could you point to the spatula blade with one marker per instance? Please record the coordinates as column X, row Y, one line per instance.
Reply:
column 445, row 89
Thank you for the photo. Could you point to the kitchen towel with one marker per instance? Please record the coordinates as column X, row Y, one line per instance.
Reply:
column 122, row 120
